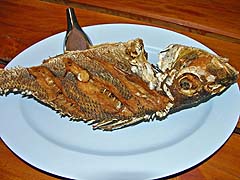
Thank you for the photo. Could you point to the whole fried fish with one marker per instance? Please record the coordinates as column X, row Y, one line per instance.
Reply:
column 112, row 85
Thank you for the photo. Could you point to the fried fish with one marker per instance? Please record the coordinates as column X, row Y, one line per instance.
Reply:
column 112, row 85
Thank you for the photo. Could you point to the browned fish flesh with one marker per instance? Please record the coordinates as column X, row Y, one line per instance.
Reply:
column 112, row 85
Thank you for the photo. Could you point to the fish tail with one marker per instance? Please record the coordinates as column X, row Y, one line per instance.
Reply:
column 15, row 80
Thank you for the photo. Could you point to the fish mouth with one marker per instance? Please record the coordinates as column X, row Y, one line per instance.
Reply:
column 225, row 73
column 232, row 74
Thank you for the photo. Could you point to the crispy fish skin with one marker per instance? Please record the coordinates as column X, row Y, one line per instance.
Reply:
column 112, row 85
column 95, row 85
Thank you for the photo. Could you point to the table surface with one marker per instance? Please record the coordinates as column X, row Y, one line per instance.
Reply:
column 213, row 23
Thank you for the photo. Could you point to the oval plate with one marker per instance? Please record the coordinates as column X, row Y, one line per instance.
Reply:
column 157, row 149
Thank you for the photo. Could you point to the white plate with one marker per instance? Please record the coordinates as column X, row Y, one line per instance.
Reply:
column 149, row 150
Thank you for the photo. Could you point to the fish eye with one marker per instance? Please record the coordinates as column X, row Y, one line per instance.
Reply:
column 189, row 84
column 185, row 84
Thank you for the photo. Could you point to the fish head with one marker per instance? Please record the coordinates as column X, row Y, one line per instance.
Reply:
column 193, row 75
